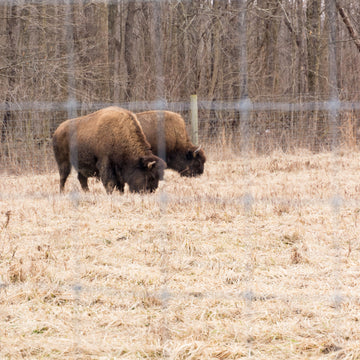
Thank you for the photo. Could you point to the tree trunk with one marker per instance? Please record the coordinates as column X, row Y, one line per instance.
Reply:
column 349, row 25
column 115, row 49
column 9, row 63
column 301, row 58
column 215, row 50
column 333, row 93
column 130, row 59
column 313, row 23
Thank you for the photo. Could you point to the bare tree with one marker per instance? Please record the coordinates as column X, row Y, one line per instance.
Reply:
column 116, row 48
column 130, row 47
column 127, row 50
column 313, row 27
column 348, row 23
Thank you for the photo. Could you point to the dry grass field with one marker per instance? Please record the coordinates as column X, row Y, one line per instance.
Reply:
column 259, row 258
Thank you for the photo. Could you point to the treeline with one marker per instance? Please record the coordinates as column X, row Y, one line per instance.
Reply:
column 120, row 51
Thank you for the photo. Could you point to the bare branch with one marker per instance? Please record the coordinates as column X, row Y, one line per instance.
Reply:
column 349, row 25
column 289, row 26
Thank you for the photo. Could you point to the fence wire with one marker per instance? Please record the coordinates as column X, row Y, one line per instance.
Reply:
column 26, row 144
column 240, row 129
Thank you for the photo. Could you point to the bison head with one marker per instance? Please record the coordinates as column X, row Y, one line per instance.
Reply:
column 193, row 164
column 146, row 174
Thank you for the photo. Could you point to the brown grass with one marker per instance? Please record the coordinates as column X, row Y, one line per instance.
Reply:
column 258, row 258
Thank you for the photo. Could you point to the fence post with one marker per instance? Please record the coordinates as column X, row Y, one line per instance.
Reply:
column 194, row 119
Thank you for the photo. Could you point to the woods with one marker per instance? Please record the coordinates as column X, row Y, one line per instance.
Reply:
column 135, row 52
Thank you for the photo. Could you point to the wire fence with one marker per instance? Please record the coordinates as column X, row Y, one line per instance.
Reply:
column 26, row 140
column 247, row 261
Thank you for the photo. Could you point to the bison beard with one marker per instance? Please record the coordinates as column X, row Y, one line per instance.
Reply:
column 110, row 145
column 180, row 154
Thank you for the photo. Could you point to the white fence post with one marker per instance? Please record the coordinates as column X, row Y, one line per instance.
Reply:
column 194, row 119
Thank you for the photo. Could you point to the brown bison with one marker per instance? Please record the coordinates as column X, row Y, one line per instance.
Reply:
column 180, row 154
column 108, row 144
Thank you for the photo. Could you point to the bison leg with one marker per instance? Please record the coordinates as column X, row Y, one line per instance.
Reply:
column 109, row 184
column 120, row 186
column 120, row 183
column 64, row 170
column 83, row 182
column 107, row 175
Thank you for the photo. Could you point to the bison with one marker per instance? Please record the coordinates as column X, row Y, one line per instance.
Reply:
column 179, row 153
column 108, row 144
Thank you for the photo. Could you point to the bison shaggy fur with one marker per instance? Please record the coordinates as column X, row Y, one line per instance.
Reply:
column 108, row 144
column 167, row 135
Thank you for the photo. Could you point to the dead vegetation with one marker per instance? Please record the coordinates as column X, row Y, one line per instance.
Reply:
column 257, row 258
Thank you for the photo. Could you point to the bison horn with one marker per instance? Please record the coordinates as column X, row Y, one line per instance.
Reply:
column 197, row 150
column 150, row 164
